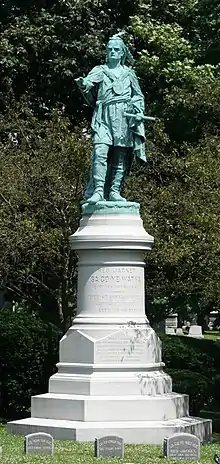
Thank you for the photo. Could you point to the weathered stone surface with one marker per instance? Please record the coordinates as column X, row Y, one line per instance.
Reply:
column 179, row 331
column 110, row 378
column 195, row 331
column 39, row 443
column 182, row 446
column 109, row 446
column 148, row 432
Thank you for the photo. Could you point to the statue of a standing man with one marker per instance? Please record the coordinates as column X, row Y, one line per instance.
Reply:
column 113, row 90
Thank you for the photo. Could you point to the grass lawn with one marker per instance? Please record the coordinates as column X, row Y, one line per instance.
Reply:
column 71, row 452
column 215, row 335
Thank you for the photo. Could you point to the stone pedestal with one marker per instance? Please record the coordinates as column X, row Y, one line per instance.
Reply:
column 110, row 377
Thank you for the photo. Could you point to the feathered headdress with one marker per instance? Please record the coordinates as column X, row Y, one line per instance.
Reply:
column 126, row 52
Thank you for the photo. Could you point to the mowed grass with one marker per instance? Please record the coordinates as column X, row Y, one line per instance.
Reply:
column 212, row 335
column 71, row 452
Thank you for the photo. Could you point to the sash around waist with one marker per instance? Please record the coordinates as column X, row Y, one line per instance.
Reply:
column 112, row 100
column 100, row 104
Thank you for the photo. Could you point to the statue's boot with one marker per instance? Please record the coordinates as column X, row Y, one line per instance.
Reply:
column 99, row 170
column 119, row 170
column 97, row 196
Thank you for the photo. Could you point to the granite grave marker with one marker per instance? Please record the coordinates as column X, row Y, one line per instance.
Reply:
column 182, row 446
column 195, row 331
column 39, row 443
column 179, row 331
column 109, row 446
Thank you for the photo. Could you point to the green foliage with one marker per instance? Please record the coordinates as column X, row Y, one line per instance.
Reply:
column 44, row 166
column 44, row 45
column 187, row 353
column 216, row 390
column 180, row 198
column 197, row 386
column 180, row 189
column 29, row 352
column 194, row 367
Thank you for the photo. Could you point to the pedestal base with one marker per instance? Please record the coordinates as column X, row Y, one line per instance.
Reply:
column 110, row 378
column 119, row 389
column 137, row 432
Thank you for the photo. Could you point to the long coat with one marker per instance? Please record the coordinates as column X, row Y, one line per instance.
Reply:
column 111, row 97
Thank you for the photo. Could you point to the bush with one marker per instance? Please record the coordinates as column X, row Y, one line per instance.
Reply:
column 196, row 355
column 216, row 391
column 197, row 386
column 195, row 369
column 29, row 352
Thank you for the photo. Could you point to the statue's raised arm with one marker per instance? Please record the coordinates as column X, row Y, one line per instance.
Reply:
column 112, row 89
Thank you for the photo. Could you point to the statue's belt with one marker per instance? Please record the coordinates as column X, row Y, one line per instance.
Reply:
column 100, row 104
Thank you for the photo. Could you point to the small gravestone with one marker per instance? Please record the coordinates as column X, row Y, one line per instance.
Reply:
column 179, row 331
column 195, row 331
column 170, row 331
column 39, row 443
column 109, row 446
column 182, row 446
column 172, row 321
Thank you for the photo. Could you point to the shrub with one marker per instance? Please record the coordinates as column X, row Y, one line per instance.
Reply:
column 216, row 390
column 196, row 355
column 29, row 352
column 197, row 386
column 195, row 369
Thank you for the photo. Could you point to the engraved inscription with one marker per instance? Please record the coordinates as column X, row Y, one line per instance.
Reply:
column 109, row 446
column 39, row 443
column 128, row 346
column 182, row 446
column 116, row 289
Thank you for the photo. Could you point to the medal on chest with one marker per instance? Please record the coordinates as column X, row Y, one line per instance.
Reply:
column 118, row 87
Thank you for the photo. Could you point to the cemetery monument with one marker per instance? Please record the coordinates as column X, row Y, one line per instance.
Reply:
column 110, row 378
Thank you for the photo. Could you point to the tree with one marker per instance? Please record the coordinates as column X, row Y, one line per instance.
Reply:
column 44, row 45
column 44, row 166
column 179, row 190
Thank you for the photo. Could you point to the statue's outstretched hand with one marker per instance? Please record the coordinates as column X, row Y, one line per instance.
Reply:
column 85, row 83
column 79, row 80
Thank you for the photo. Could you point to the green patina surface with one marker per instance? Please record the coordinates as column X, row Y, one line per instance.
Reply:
column 113, row 90
column 111, row 207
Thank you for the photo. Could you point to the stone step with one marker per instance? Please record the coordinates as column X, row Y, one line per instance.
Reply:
column 109, row 408
column 138, row 432
column 111, row 383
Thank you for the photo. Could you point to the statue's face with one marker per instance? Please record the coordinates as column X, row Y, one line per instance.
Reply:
column 114, row 50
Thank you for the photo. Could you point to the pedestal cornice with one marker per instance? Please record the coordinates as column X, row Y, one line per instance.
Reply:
column 111, row 225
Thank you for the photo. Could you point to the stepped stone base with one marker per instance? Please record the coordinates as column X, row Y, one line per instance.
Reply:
column 109, row 408
column 110, row 378
column 138, row 432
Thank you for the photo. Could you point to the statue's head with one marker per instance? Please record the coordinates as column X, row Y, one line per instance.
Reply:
column 116, row 49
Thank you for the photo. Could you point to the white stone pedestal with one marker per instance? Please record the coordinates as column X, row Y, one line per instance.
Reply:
column 110, row 377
